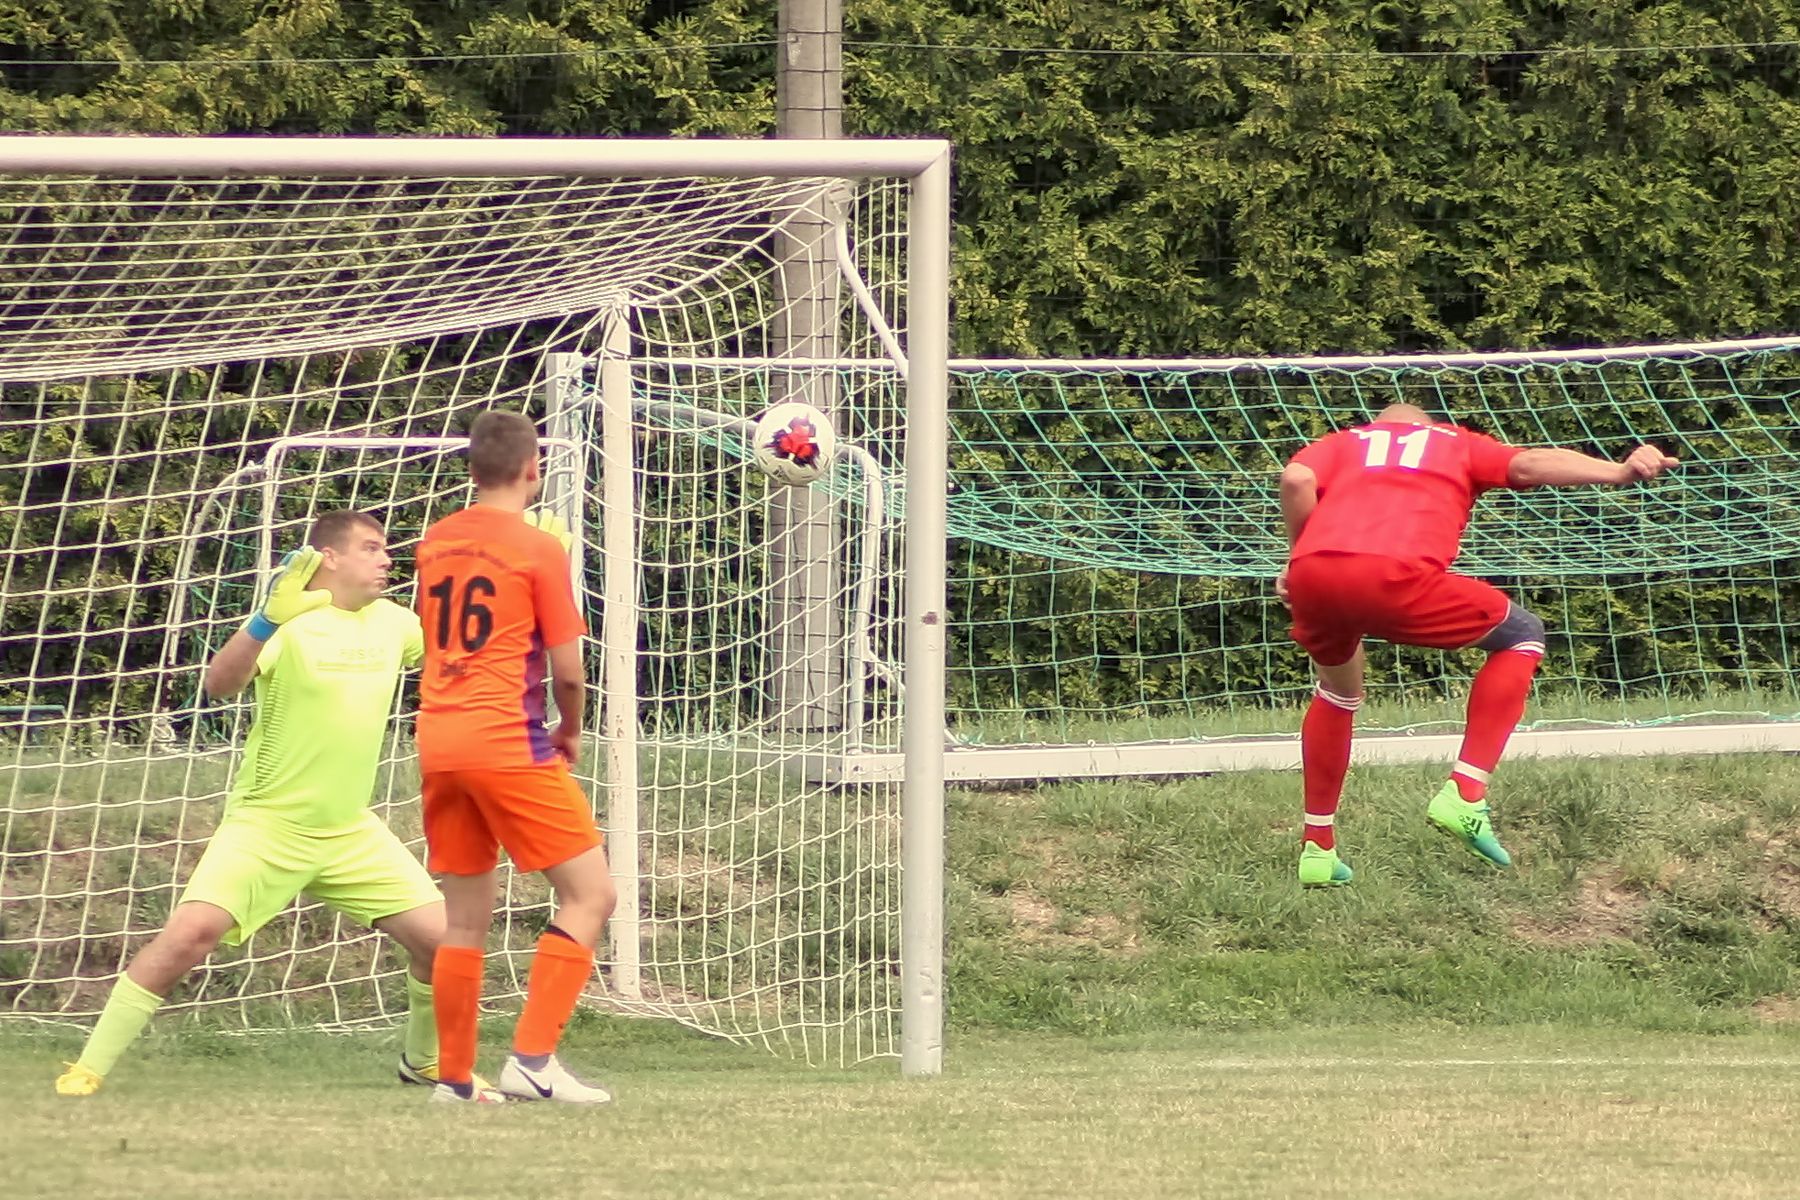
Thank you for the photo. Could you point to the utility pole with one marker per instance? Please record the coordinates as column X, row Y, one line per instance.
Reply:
column 807, row 563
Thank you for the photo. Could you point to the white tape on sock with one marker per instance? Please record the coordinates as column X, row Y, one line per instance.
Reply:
column 1475, row 773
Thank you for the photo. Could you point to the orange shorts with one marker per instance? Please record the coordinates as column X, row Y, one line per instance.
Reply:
column 537, row 813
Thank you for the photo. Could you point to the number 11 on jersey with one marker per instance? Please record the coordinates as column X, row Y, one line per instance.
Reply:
column 1381, row 441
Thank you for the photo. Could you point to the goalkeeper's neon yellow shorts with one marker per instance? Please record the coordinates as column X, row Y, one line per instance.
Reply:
column 254, row 867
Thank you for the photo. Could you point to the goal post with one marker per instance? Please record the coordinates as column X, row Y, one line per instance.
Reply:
column 192, row 321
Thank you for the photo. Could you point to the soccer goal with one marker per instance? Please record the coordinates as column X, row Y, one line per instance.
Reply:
column 207, row 342
column 1115, row 537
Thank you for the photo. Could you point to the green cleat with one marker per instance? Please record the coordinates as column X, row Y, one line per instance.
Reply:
column 1321, row 868
column 1470, row 824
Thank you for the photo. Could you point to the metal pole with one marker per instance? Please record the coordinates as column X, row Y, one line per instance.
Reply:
column 565, row 475
column 927, row 481
column 618, row 647
column 566, row 420
column 805, row 536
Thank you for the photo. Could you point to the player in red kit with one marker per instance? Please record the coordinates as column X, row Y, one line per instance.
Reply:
column 1374, row 518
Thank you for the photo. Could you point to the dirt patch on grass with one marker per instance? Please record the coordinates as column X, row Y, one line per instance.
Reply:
column 1777, row 1010
column 1604, row 909
column 1039, row 922
column 1780, row 886
column 1031, row 912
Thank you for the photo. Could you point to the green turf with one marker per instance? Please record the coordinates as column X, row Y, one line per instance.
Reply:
column 1142, row 1003
column 1425, row 1112
column 1657, row 894
column 1649, row 894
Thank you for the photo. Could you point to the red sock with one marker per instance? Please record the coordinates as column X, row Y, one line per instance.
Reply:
column 559, row 971
column 1496, row 703
column 1324, row 761
column 456, row 999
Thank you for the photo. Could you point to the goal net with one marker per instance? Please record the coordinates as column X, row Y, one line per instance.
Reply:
column 1116, row 536
column 208, row 344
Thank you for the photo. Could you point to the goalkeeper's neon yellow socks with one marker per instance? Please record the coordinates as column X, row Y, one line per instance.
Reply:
column 128, row 1009
column 421, row 1039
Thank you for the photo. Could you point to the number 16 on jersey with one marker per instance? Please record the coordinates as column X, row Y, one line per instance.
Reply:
column 473, row 621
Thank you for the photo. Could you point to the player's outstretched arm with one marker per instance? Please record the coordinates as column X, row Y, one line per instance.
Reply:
column 1547, row 467
column 234, row 666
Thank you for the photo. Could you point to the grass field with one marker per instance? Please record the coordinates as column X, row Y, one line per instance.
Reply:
column 1418, row 1112
column 1658, row 894
column 1142, row 1004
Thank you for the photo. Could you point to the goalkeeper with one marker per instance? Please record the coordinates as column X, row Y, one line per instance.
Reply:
column 326, row 652
column 1374, row 518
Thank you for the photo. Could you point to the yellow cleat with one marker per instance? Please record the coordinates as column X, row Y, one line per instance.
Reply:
column 78, row 1081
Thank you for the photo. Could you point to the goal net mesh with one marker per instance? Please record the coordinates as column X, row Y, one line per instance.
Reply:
column 194, row 369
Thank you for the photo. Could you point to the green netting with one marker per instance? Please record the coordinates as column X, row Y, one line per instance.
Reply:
column 1116, row 530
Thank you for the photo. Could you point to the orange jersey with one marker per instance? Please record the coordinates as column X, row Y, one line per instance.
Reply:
column 493, row 594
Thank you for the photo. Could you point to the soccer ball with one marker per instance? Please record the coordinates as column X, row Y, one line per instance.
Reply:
column 793, row 444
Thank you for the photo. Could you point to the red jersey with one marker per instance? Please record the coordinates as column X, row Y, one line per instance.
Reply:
column 1399, row 490
column 494, row 593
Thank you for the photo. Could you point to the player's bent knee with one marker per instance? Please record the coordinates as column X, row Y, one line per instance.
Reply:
column 596, row 900
column 607, row 900
column 420, row 946
column 198, row 924
column 184, row 947
column 1521, row 629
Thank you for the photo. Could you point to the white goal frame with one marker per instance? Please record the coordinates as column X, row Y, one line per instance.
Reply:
column 924, row 164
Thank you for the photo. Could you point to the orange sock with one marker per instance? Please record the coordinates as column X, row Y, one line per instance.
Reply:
column 559, row 970
column 456, row 996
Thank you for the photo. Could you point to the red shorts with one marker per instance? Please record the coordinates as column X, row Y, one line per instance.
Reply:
column 1339, row 599
column 537, row 813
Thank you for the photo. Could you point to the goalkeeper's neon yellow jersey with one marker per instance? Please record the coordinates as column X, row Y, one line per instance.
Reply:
column 324, row 691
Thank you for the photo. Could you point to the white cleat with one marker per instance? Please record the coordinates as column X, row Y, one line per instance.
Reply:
column 552, row 1082
column 443, row 1093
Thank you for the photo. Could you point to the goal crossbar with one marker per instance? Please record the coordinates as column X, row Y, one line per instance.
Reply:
column 470, row 157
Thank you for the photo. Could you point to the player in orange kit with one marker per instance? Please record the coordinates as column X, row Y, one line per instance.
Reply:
column 497, row 606
column 1375, row 517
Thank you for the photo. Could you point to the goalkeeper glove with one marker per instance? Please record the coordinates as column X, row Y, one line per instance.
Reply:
column 290, row 596
column 550, row 523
